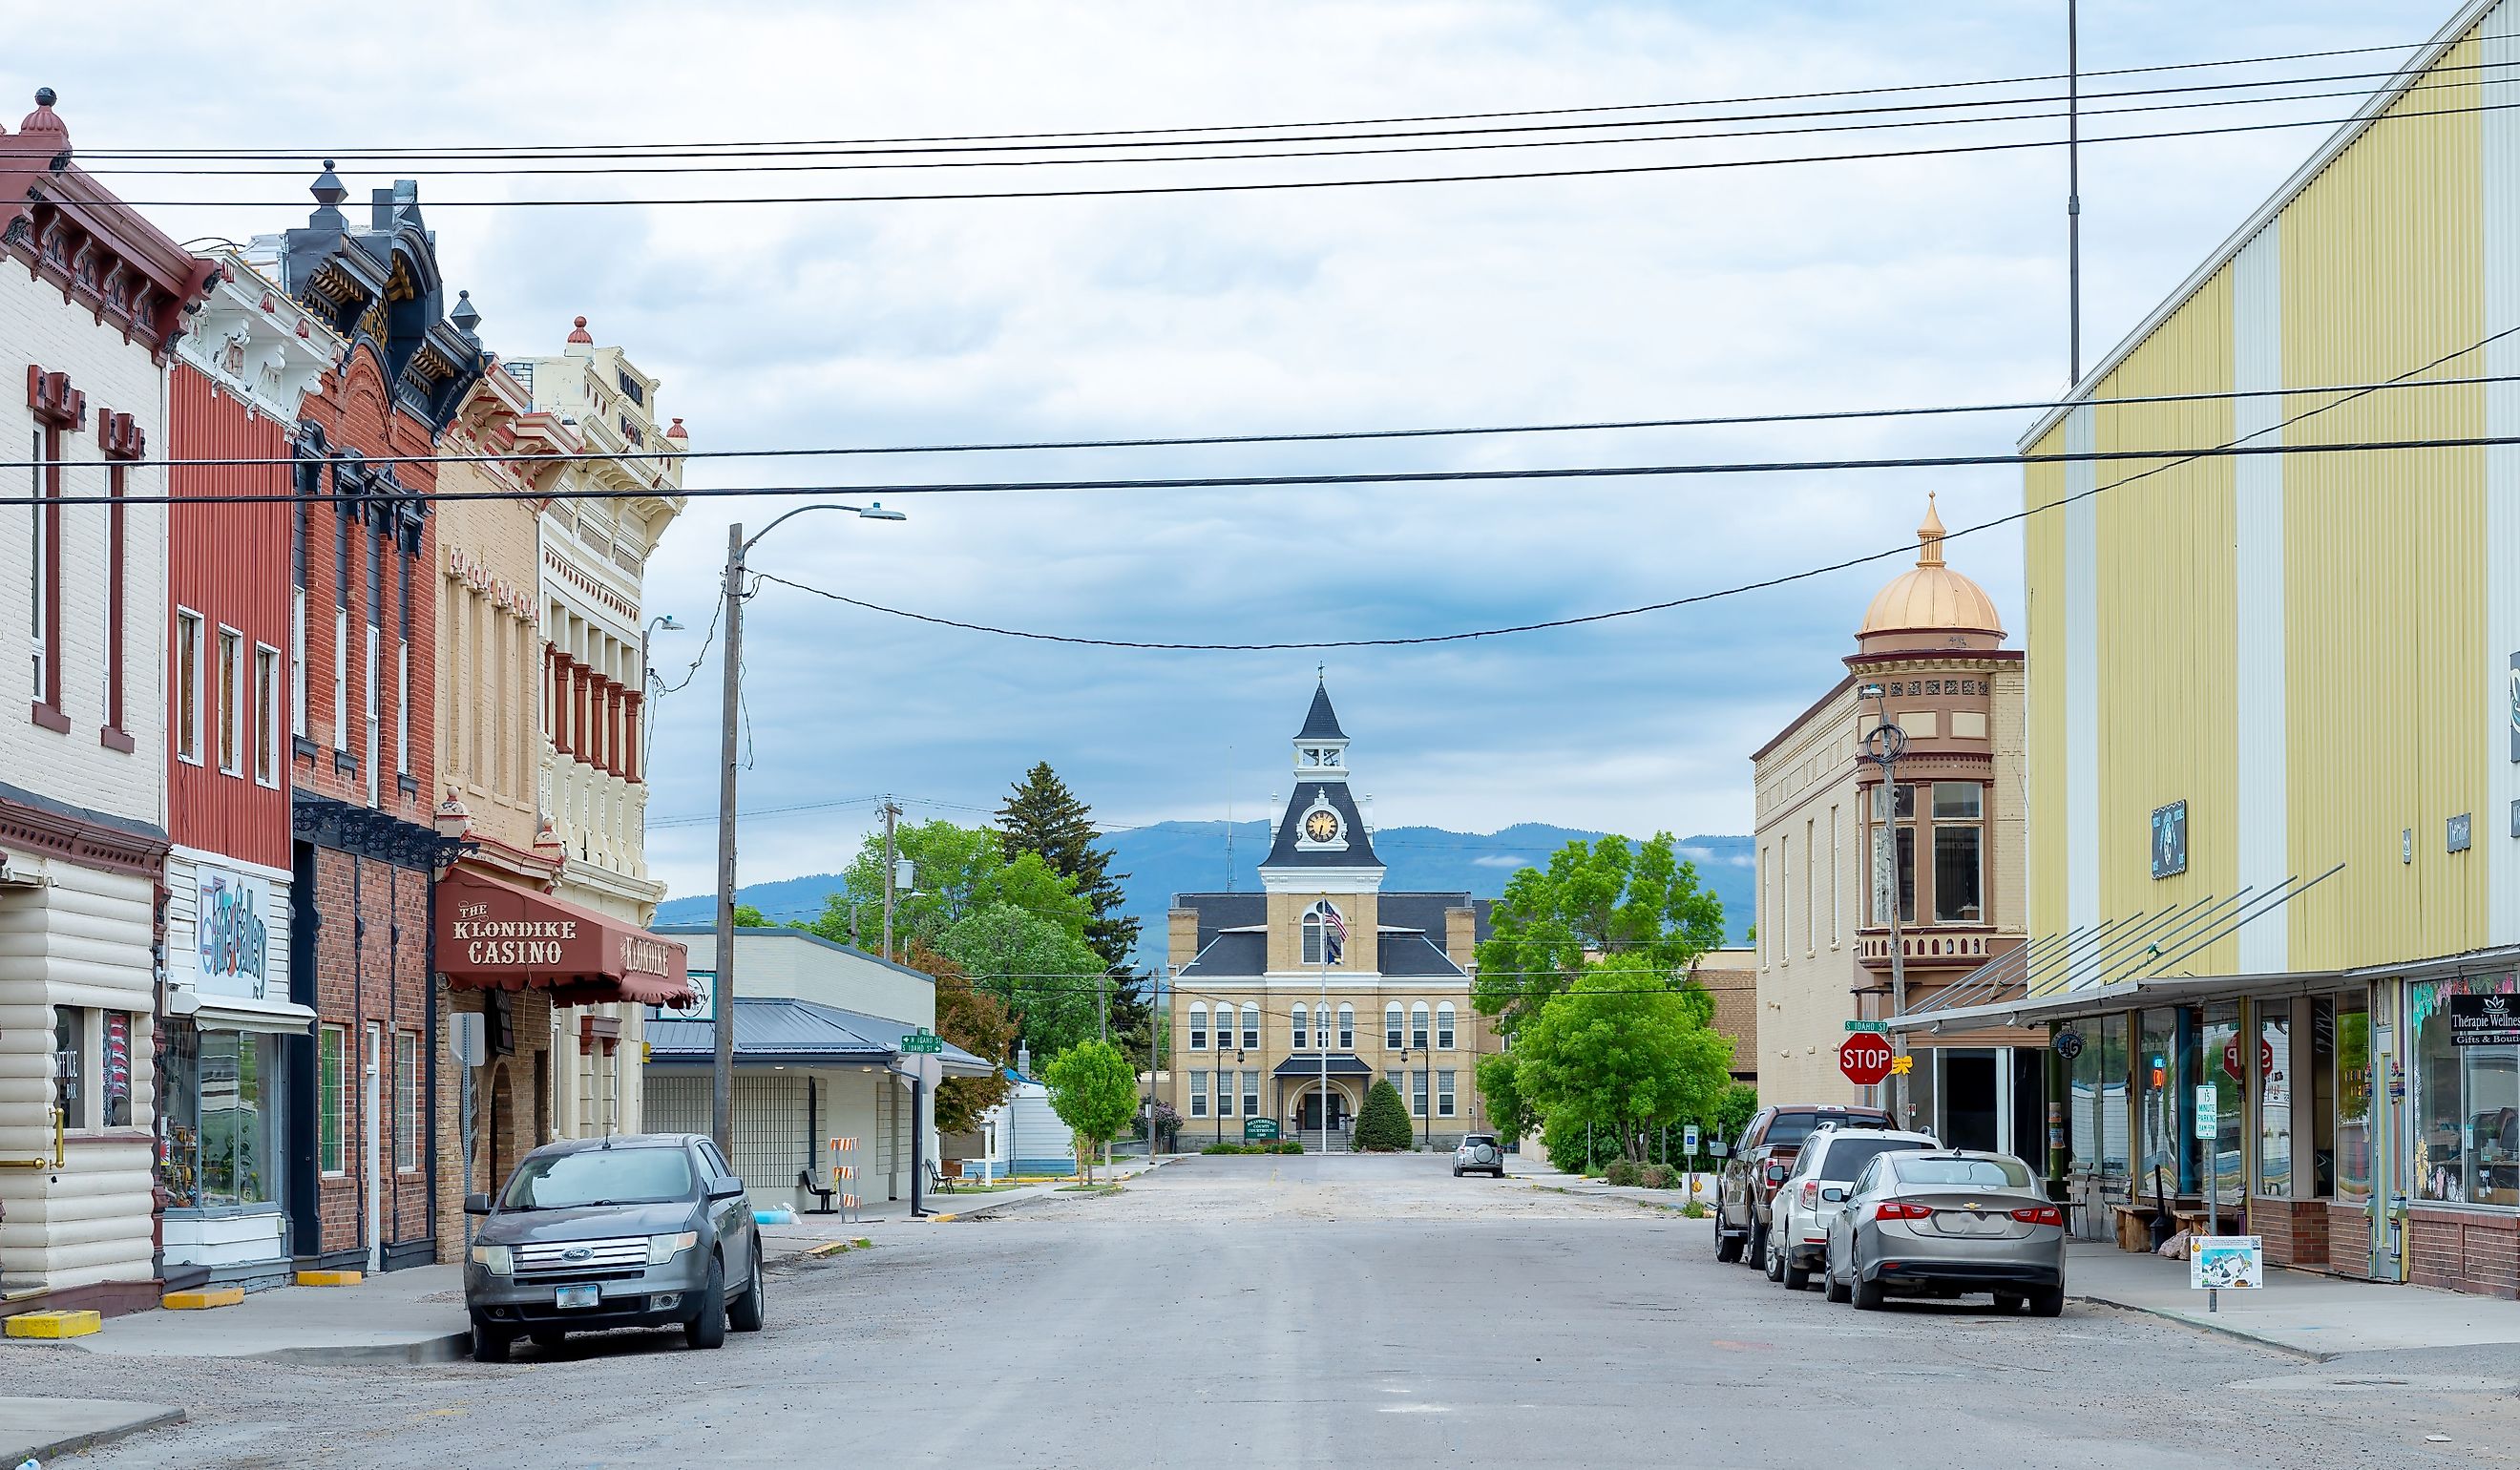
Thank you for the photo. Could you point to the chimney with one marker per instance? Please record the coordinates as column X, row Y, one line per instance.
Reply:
column 1461, row 936
column 1181, row 937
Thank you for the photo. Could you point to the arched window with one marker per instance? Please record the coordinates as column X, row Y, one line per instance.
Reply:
column 1324, row 932
column 1444, row 1026
column 1347, row 1027
column 1300, row 1013
column 1251, row 1025
column 1417, row 1025
column 1390, row 1027
column 1198, row 1026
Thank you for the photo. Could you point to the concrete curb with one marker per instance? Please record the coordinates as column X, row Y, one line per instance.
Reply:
column 91, row 1439
column 448, row 1348
column 2211, row 1329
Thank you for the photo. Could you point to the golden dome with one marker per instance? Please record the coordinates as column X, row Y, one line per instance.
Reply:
column 1932, row 599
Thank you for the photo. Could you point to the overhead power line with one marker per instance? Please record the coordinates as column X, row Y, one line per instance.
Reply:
column 1596, row 133
column 1355, row 477
column 1323, row 436
column 1117, row 190
column 269, row 150
column 2173, row 460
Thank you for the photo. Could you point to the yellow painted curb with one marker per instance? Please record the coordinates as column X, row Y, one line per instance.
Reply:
column 830, row 1248
column 330, row 1278
column 203, row 1299
column 943, row 1216
column 54, row 1324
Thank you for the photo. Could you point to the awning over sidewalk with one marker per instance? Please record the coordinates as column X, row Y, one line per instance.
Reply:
column 2104, row 1000
column 496, row 936
column 776, row 1031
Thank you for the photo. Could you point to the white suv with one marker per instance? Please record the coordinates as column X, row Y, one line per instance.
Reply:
column 1814, row 1194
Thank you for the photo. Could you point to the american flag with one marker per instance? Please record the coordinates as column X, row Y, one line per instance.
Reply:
column 1334, row 933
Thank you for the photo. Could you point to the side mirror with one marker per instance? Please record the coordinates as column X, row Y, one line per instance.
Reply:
column 1719, row 1149
column 725, row 1186
column 476, row 1204
column 1833, row 1194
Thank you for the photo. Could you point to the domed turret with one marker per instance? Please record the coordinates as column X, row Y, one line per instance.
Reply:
column 1931, row 605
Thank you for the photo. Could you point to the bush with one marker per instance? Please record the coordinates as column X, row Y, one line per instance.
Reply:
column 1285, row 1145
column 1623, row 1173
column 1384, row 1125
column 1223, row 1148
column 1658, row 1176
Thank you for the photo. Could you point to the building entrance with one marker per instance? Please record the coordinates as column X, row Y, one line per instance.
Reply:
column 1311, row 1116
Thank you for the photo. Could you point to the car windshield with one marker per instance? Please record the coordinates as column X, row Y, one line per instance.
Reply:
column 1971, row 1173
column 601, row 1177
column 1848, row 1156
column 1477, row 1140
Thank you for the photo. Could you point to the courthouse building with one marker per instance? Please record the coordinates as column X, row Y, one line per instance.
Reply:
column 1322, row 972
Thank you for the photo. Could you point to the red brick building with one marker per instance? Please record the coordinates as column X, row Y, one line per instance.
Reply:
column 363, row 1100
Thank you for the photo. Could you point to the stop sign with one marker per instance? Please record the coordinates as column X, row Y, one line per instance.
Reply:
column 1865, row 1058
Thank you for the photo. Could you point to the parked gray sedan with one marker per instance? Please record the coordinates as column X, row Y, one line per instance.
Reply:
column 636, row 1231
column 1946, row 1222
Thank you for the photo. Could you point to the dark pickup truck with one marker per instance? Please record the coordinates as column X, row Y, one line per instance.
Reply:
column 1755, row 1166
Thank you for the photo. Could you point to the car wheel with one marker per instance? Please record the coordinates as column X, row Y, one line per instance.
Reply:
column 1867, row 1295
column 1796, row 1277
column 708, row 1326
column 550, row 1337
column 1728, row 1247
column 745, row 1313
column 2048, row 1301
column 1457, row 1171
column 1757, row 1250
column 489, row 1344
column 1772, row 1262
column 1829, row 1285
column 2009, row 1301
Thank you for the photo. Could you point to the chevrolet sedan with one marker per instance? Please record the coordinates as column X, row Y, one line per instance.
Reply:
column 645, row 1231
column 1946, row 1222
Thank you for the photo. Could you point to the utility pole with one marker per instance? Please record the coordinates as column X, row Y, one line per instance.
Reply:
column 2074, row 189
column 722, row 987
column 891, row 813
column 1883, row 746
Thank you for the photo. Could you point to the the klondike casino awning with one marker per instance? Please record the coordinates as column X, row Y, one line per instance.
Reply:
column 495, row 936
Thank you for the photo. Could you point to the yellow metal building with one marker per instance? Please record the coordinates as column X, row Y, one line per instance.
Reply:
column 2274, row 716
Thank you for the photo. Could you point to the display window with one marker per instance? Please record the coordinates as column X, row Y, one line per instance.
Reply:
column 2465, row 1111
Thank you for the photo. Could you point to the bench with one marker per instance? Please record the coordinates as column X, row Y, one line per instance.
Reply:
column 805, row 1182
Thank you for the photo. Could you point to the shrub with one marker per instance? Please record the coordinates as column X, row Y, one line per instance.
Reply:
column 1693, row 1211
column 1224, row 1148
column 1624, row 1173
column 1658, row 1176
column 1382, row 1126
column 1285, row 1145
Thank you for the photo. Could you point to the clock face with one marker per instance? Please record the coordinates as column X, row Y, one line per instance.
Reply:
column 1322, row 826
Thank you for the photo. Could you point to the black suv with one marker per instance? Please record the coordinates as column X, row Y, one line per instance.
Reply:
column 1760, row 1162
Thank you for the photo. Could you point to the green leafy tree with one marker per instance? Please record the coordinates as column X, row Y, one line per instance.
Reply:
column 1042, row 818
column 1095, row 1092
column 751, row 917
column 1507, row 1112
column 1382, row 1124
column 978, row 1023
column 1594, row 902
column 1618, row 1054
column 959, row 871
column 1041, row 972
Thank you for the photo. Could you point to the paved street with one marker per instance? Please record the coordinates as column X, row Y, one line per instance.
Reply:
column 1303, row 1311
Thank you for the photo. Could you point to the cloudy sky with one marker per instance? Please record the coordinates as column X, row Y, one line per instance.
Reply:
column 1886, row 282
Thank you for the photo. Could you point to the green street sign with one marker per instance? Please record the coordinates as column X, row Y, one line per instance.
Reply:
column 922, row 1041
column 1877, row 1028
column 1259, row 1129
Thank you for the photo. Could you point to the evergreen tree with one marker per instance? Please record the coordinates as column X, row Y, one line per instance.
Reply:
column 1382, row 1124
column 1043, row 817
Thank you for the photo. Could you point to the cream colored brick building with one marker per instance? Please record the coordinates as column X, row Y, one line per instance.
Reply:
column 1319, row 971
column 1931, row 641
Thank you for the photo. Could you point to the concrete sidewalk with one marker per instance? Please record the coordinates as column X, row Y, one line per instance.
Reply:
column 2314, row 1316
column 414, row 1316
column 1538, row 1174
column 38, row 1429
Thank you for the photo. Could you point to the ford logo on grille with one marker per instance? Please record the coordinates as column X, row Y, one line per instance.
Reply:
column 576, row 1253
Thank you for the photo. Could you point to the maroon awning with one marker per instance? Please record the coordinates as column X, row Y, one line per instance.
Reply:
column 495, row 936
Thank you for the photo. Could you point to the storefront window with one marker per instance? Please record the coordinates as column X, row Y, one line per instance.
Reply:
column 2097, row 1104
column 2352, row 1071
column 2274, row 1100
column 180, row 1112
column 1904, row 813
column 2159, row 1166
column 236, row 1119
column 2467, row 1101
column 2220, row 1050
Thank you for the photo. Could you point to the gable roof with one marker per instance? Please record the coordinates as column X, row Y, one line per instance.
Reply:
column 777, row 1030
column 1359, row 852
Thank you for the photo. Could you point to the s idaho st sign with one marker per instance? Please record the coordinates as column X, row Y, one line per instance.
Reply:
column 1865, row 1058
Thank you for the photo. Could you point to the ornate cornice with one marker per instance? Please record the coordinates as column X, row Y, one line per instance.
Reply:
column 33, row 824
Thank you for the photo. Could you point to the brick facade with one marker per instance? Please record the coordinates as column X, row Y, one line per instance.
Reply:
column 2461, row 1250
column 372, row 977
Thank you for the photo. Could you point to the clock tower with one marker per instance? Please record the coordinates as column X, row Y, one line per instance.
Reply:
column 1323, row 853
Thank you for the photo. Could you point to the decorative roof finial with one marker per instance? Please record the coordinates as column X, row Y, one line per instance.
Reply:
column 328, row 188
column 465, row 316
column 1929, row 536
column 579, row 333
column 43, row 120
column 676, row 432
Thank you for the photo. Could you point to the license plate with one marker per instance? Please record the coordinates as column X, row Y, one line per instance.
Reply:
column 1962, row 1222
column 577, row 1296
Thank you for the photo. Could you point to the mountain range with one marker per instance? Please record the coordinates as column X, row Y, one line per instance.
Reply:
column 1167, row 858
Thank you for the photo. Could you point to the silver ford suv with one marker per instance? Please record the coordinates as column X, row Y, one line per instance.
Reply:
column 635, row 1231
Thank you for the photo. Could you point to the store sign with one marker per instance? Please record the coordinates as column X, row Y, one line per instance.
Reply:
column 2483, row 1020
column 234, row 940
column 704, row 1006
column 2068, row 1045
column 2170, row 840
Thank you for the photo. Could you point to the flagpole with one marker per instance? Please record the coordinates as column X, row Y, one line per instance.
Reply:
column 1330, row 913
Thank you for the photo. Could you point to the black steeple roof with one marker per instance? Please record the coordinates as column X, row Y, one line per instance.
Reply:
column 1320, row 722
column 1287, row 850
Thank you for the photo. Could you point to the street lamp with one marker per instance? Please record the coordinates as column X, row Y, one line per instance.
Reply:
column 1883, row 745
column 722, row 1080
column 649, row 683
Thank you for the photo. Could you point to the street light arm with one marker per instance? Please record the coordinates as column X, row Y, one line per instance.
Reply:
column 873, row 512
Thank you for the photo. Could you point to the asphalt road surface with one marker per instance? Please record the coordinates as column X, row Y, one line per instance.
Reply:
column 1367, row 1311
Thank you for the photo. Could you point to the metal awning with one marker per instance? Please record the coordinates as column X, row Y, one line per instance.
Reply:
column 2126, row 995
column 1311, row 1066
